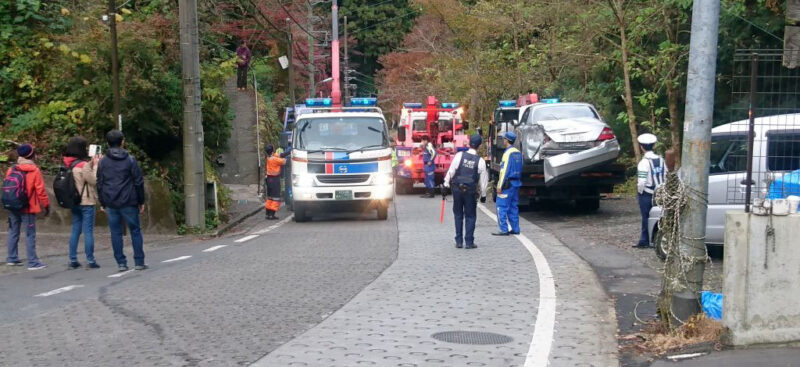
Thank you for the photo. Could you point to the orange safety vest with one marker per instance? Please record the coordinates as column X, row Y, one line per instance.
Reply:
column 274, row 164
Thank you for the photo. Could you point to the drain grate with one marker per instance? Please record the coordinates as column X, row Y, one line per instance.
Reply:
column 472, row 337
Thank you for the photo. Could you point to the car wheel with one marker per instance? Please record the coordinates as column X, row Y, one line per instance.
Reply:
column 300, row 214
column 588, row 205
column 658, row 245
column 383, row 212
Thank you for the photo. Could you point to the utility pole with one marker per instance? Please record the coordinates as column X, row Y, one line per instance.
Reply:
column 112, row 23
column 193, row 161
column 698, row 120
column 346, row 66
column 290, row 46
column 312, row 90
column 336, row 92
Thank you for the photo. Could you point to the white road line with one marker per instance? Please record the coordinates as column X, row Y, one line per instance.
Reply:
column 214, row 248
column 276, row 225
column 246, row 238
column 117, row 275
column 542, row 341
column 59, row 290
column 177, row 259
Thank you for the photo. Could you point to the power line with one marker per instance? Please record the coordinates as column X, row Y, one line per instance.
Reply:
column 387, row 20
column 298, row 23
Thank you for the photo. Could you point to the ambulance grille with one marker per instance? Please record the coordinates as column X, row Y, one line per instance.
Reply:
column 342, row 179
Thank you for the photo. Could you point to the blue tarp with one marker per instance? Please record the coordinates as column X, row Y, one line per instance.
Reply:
column 712, row 304
column 787, row 185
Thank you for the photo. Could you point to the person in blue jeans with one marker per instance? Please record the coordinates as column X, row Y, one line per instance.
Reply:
column 37, row 202
column 120, row 190
column 508, row 188
column 84, row 172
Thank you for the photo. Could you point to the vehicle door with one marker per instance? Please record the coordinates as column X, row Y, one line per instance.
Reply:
column 529, row 136
column 726, row 186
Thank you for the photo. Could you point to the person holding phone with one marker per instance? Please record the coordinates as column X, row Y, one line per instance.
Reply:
column 84, row 172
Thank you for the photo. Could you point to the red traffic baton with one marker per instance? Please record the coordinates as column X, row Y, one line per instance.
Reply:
column 441, row 214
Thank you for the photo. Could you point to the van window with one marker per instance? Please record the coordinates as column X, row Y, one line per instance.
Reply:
column 728, row 153
column 525, row 116
column 783, row 151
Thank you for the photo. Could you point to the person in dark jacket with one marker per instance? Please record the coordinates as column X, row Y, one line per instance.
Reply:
column 242, row 62
column 120, row 190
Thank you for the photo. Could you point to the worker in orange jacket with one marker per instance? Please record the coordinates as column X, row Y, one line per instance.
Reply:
column 273, row 175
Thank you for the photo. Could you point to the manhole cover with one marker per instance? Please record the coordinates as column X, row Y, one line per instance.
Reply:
column 472, row 337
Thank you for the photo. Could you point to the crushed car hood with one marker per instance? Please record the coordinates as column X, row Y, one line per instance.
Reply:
column 572, row 130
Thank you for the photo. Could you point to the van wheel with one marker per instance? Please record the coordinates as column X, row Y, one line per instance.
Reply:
column 658, row 245
column 300, row 214
column 383, row 212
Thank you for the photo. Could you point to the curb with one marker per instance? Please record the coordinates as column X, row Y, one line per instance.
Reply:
column 227, row 227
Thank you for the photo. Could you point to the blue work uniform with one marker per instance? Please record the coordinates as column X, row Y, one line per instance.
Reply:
column 429, row 164
column 509, row 183
column 651, row 174
column 467, row 177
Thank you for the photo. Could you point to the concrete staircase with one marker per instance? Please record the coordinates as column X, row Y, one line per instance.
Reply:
column 241, row 159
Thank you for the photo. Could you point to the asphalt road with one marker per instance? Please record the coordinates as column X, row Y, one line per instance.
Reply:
column 212, row 303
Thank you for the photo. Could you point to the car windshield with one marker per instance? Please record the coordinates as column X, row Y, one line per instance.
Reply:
column 562, row 112
column 341, row 133
column 506, row 115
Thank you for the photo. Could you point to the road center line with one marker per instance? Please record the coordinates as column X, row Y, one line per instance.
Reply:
column 117, row 275
column 214, row 248
column 542, row 340
column 276, row 225
column 59, row 290
column 177, row 259
column 246, row 238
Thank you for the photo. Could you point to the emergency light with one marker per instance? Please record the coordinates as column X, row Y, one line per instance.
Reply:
column 508, row 103
column 318, row 102
column 359, row 101
column 412, row 105
column 551, row 100
column 450, row 105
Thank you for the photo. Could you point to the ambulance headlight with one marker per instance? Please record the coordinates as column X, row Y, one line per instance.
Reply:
column 383, row 179
column 302, row 180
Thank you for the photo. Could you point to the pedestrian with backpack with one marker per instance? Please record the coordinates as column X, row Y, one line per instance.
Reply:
column 75, row 188
column 24, row 196
column 651, row 174
column 120, row 190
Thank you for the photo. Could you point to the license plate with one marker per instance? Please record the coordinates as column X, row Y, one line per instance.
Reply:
column 343, row 195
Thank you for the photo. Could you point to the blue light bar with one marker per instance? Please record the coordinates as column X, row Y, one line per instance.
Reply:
column 551, row 100
column 450, row 105
column 318, row 102
column 508, row 103
column 412, row 105
column 363, row 101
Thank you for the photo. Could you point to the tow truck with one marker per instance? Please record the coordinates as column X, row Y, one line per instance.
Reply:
column 568, row 152
column 445, row 128
column 341, row 159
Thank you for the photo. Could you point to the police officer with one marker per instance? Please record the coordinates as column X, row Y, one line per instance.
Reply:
column 466, row 174
column 508, row 187
column 651, row 173
column 429, row 165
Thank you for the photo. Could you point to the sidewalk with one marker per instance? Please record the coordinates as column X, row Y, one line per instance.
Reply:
column 484, row 301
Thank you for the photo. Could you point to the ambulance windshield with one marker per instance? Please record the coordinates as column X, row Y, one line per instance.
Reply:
column 341, row 134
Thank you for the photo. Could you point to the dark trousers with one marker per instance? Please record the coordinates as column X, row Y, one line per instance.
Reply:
column 129, row 214
column 645, row 204
column 465, row 205
column 241, row 77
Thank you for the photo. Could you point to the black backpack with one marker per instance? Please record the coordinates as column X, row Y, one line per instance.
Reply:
column 64, row 187
column 15, row 193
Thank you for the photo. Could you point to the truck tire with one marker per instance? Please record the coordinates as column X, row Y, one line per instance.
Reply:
column 383, row 212
column 300, row 214
column 588, row 205
column 402, row 186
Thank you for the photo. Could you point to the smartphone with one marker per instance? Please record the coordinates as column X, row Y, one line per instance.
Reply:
column 94, row 150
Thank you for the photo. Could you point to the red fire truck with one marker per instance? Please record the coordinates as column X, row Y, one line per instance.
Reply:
column 445, row 128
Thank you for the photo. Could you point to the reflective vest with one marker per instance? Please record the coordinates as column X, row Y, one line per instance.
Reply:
column 274, row 164
column 428, row 154
column 511, row 171
column 466, row 175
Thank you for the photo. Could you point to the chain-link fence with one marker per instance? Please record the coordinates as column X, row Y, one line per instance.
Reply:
column 758, row 156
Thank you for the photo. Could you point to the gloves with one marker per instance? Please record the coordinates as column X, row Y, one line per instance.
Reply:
column 445, row 191
column 46, row 211
column 483, row 199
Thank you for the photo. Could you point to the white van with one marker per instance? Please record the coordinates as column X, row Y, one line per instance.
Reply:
column 776, row 151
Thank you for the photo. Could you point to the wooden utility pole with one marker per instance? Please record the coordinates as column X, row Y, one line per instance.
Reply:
column 193, row 161
column 112, row 24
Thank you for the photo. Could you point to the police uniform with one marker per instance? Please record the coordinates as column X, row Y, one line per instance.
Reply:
column 509, row 182
column 651, row 173
column 273, row 184
column 429, row 165
column 467, row 174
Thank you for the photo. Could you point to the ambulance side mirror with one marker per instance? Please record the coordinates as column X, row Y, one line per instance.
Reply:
column 401, row 134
